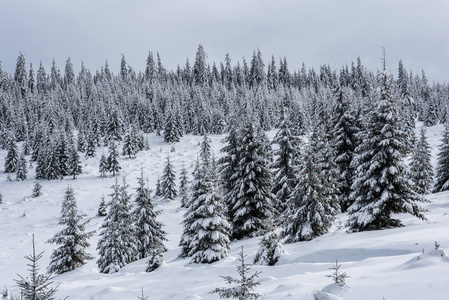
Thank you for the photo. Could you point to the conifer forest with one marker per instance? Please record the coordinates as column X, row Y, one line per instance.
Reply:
column 153, row 183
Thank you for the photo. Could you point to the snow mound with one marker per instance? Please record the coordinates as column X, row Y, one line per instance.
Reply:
column 332, row 291
column 426, row 259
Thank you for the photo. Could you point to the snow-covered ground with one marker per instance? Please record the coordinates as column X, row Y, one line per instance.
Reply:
column 391, row 264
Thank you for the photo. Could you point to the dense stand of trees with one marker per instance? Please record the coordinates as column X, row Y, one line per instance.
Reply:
column 341, row 143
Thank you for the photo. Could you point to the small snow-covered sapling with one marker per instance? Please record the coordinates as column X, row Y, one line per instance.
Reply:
column 337, row 276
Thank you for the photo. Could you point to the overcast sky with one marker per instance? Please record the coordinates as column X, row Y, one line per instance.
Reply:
column 315, row 32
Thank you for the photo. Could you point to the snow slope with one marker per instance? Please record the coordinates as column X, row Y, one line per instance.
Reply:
column 386, row 264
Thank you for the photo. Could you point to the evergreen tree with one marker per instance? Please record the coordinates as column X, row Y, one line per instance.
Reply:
column 63, row 153
column 168, row 185
column 206, row 218
column 251, row 206
column 183, row 186
column 245, row 284
column 21, row 173
column 172, row 129
column 311, row 211
column 200, row 75
column 72, row 240
column 270, row 249
column 36, row 286
column 115, row 127
column 158, row 191
column 117, row 245
column 150, row 235
column 228, row 164
column 21, row 75
column 421, row 168
column 74, row 162
column 48, row 166
column 36, row 190
column 12, row 157
column 196, row 190
column 102, row 209
column 344, row 142
column 104, row 167
column 381, row 187
column 130, row 143
column 442, row 168
column 112, row 160
column 91, row 145
column 286, row 163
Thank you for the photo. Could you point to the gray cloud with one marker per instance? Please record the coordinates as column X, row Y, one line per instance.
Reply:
column 313, row 32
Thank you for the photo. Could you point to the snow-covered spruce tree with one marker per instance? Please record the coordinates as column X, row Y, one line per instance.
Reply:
column 103, row 167
column 112, row 160
column 207, row 215
column 310, row 211
column 72, row 240
column 22, row 168
column 149, row 232
column 130, row 143
column 228, row 164
column 344, row 131
column 184, row 186
column 115, row 127
column 12, row 157
column 245, row 284
column 63, row 153
column 251, row 200
column 168, row 185
column 102, row 209
column 52, row 166
column 158, row 190
column 196, row 189
column 421, row 168
column 117, row 245
column 270, row 248
column 172, row 130
column 442, row 168
column 91, row 144
column 286, row 162
column 381, row 187
column 36, row 190
column 74, row 162
column 36, row 286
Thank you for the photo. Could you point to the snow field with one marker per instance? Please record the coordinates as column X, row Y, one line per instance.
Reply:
column 387, row 263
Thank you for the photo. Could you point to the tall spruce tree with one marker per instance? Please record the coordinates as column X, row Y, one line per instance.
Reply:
column 22, row 170
column 184, row 186
column 12, row 157
column 168, row 185
column 311, row 210
column 442, row 168
column 381, row 187
column 344, row 142
column 74, row 162
column 251, row 201
column 72, row 240
column 149, row 232
column 117, row 245
column 196, row 189
column 421, row 168
column 112, row 160
column 103, row 166
column 206, row 225
column 228, row 164
column 286, row 162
